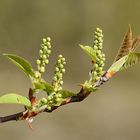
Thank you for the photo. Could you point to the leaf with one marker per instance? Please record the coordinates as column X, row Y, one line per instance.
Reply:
column 15, row 99
column 89, row 51
column 23, row 64
column 136, row 43
column 43, row 86
column 115, row 67
column 126, row 45
column 133, row 58
column 66, row 93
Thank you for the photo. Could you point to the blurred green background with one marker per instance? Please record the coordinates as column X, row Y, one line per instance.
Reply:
column 113, row 113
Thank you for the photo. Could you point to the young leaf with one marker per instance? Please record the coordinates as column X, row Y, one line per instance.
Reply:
column 136, row 43
column 126, row 45
column 89, row 51
column 15, row 99
column 66, row 93
column 23, row 64
column 133, row 58
column 43, row 86
column 115, row 67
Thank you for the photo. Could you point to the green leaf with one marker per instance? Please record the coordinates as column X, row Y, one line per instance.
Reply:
column 66, row 93
column 15, row 99
column 43, row 86
column 115, row 67
column 23, row 64
column 89, row 51
column 133, row 58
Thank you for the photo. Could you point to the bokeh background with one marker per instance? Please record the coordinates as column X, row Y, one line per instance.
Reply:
column 113, row 113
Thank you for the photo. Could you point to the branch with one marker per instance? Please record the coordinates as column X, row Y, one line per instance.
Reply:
column 26, row 114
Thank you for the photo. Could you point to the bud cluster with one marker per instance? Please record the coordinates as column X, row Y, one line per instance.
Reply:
column 97, row 70
column 58, row 74
column 44, row 54
column 53, row 99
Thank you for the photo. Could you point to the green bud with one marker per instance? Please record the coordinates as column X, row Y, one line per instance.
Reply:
column 44, row 56
column 48, row 44
column 38, row 62
column 45, row 48
column 103, row 55
column 40, row 52
column 60, row 75
column 63, row 59
column 55, row 78
column 44, row 100
column 49, row 98
column 59, row 61
column 64, row 63
column 96, row 66
column 61, row 82
column 60, row 88
column 59, row 95
column 96, row 41
column 44, row 40
column 63, row 70
column 95, row 73
column 99, row 52
column 49, row 108
column 46, row 61
column 37, row 74
column 61, row 66
column 42, row 69
column 60, row 56
column 103, row 58
column 48, row 51
column 48, row 39
column 56, row 69
column 100, row 69
column 58, row 99
column 95, row 47
column 97, row 78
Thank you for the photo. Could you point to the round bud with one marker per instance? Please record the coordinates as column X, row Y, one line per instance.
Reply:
column 38, row 62
column 55, row 78
column 99, row 52
column 61, row 82
column 63, row 70
column 95, row 73
column 61, row 66
column 96, row 66
column 100, row 69
column 97, row 78
column 59, row 95
column 46, row 61
column 44, row 40
column 45, row 48
column 44, row 100
column 44, row 56
column 49, row 98
column 48, row 39
column 95, row 47
column 95, row 41
column 60, row 75
column 49, row 108
column 60, row 56
column 58, row 99
column 48, row 51
column 40, row 52
column 42, row 69
column 56, row 69
column 63, row 59
column 59, row 61
column 48, row 44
